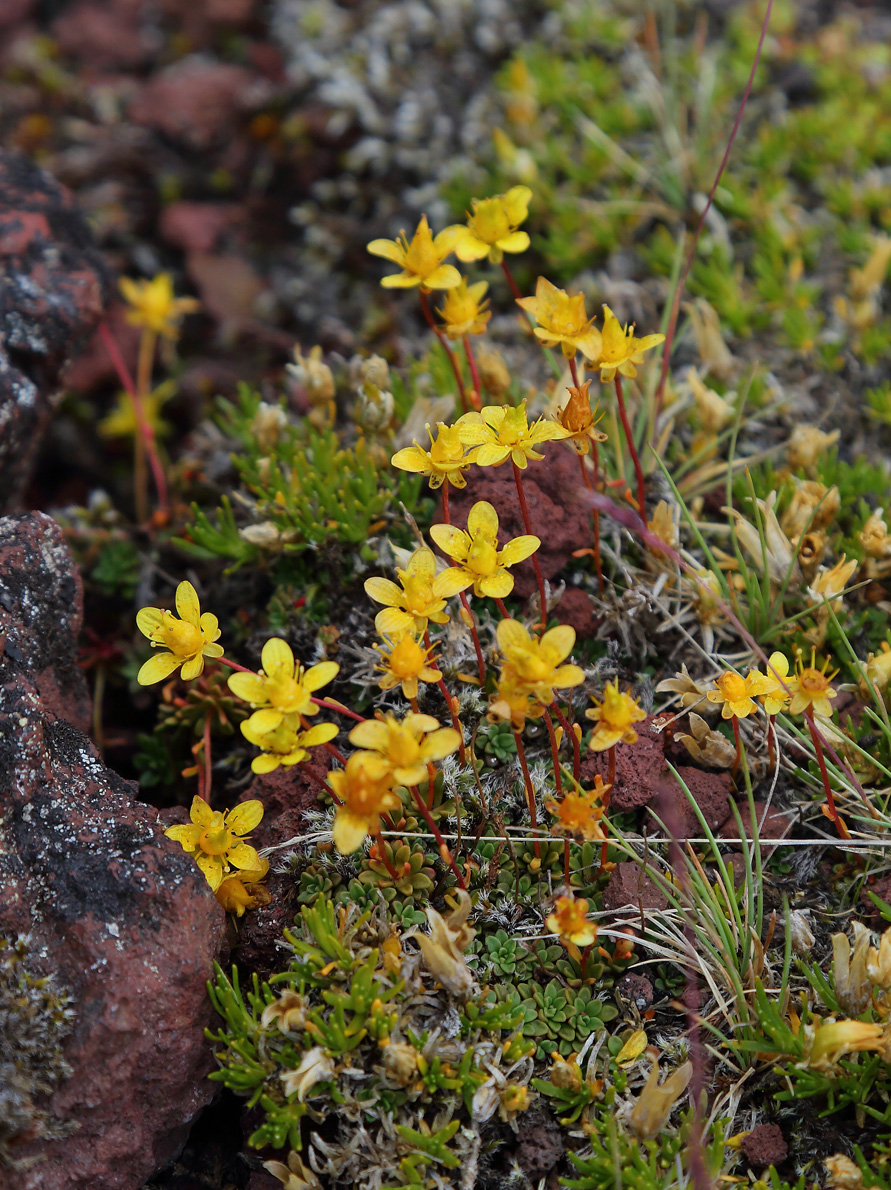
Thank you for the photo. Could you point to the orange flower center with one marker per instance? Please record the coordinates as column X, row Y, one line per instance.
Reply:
column 216, row 838
column 812, row 681
column 733, row 687
column 407, row 658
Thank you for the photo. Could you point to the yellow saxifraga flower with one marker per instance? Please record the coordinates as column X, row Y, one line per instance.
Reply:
column 562, row 320
column 614, row 717
column 406, row 662
column 244, row 891
column 482, row 564
column 122, row 421
column 492, row 228
column 578, row 420
column 579, row 812
column 421, row 259
column 534, row 665
column 620, row 350
column 189, row 639
column 512, row 704
column 811, row 688
column 502, row 432
column 365, row 795
column 214, row 838
column 570, row 921
column 420, row 597
column 402, row 750
column 287, row 744
column 282, row 687
column 153, row 306
column 736, row 695
column 464, row 310
column 776, row 699
column 445, row 461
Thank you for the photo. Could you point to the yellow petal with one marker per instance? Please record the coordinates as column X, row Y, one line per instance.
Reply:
column 267, row 762
column 471, row 248
column 249, row 687
column 445, row 277
column 185, row 835
column 192, row 668
column 511, row 635
column 212, row 867
column 321, row 733
column 401, row 281
column 242, row 818
column 490, row 454
column 187, row 605
column 388, row 249
column 420, row 723
column 349, row 831
column 441, row 743
column 496, row 586
column 391, row 621
column 381, row 590
column 519, row 549
column 517, row 241
column 157, row 668
column 451, row 541
column 277, row 658
column 200, row 812
column 633, row 1048
column 148, row 620
column 320, row 675
column 372, row 734
column 210, row 627
column 449, row 582
column 212, row 651
column 567, row 675
column 482, row 520
column 422, row 562
column 243, row 856
column 265, row 721
column 558, row 642
column 411, row 458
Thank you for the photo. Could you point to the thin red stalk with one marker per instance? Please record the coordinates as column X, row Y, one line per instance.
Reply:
column 145, row 428
column 444, row 852
column 596, row 518
column 474, row 374
column 453, row 360
column 514, row 288
column 635, row 458
column 521, row 495
column 333, row 706
column 530, row 791
column 478, row 649
column 558, row 783
column 445, row 502
column 242, row 669
column 688, row 264
column 824, row 772
column 771, row 738
column 443, row 690
column 431, row 785
column 335, row 752
column 499, row 603
column 607, row 793
column 382, row 851
column 576, row 747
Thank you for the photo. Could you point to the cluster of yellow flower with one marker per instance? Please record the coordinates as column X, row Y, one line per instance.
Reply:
column 808, row 689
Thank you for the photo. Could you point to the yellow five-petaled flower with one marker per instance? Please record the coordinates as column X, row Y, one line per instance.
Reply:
column 619, row 349
column 737, row 694
column 365, row 793
column 421, row 595
column 153, row 306
column 614, row 717
column 445, row 461
column 534, row 665
column 402, row 750
column 287, row 744
column 492, row 227
column 420, row 259
column 562, row 321
column 502, row 432
column 570, row 921
column 482, row 564
column 464, row 311
column 282, row 687
column 189, row 639
column 215, row 840
column 405, row 663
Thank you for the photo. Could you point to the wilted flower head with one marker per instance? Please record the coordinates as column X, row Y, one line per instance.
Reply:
column 295, row 1175
column 813, row 507
column 850, row 979
column 314, row 377
column 874, row 536
column 842, row 1173
column 288, row 1012
column 578, row 420
column 244, row 890
column 654, row 1103
column 692, row 692
column 316, row 1066
column 830, row 1040
column 706, row 745
column 782, row 561
column 807, row 444
column 444, row 949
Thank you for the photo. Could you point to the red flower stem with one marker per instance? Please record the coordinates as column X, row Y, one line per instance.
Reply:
column 476, row 395
column 323, row 785
column 453, row 360
column 335, row 752
column 530, row 791
column 334, row 706
column 738, row 758
column 431, row 784
column 635, row 458
column 514, row 288
column 688, row 263
column 444, row 852
column 208, row 764
column 478, row 649
column 524, row 509
column 558, row 784
column 576, row 747
column 382, row 852
column 145, row 427
column 824, row 772
column 573, row 371
column 233, row 665
column 445, row 502
column 414, row 704
column 443, row 690
column 499, row 603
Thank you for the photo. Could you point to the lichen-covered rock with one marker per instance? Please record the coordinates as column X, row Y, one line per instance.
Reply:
column 51, row 297
column 118, row 912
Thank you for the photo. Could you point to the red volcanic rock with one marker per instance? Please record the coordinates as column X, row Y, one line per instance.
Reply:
column 41, row 608
column 556, row 514
column 285, row 794
column 764, row 1146
column 198, row 226
column 630, row 885
column 576, row 609
column 775, row 826
column 50, row 300
column 106, row 36
column 121, row 914
column 640, row 768
column 710, row 791
column 194, row 101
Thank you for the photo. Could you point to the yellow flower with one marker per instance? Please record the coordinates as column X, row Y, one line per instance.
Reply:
column 562, row 321
column 421, row 597
column 402, row 751
column 492, row 228
column 285, row 744
column 464, row 311
column 614, row 717
column 405, row 663
column 502, row 432
column 736, row 694
column 832, row 1039
column 776, row 699
column 512, row 704
column 570, row 921
column 153, row 306
column 365, row 795
column 282, row 687
column 534, row 665
column 190, row 638
column 445, row 460
column 213, row 838
column 578, row 420
column 421, row 260
column 579, row 812
column 122, row 423
column 810, row 688
column 620, row 350
column 244, row 891
column 482, row 564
